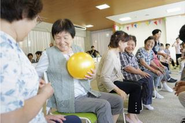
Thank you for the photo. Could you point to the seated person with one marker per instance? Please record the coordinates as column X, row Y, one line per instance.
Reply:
column 164, row 71
column 77, row 95
column 110, row 78
column 38, row 55
column 20, row 100
column 164, row 60
column 181, row 60
column 94, row 53
column 145, row 57
column 30, row 57
column 131, row 71
column 167, row 51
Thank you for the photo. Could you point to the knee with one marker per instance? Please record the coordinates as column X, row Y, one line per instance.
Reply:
column 104, row 104
column 119, row 100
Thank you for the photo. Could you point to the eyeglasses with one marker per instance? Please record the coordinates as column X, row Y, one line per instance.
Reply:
column 39, row 19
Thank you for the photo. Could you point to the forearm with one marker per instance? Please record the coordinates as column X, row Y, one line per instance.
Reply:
column 147, row 66
column 25, row 114
column 154, row 65
column 162, row 54
column 133, row 70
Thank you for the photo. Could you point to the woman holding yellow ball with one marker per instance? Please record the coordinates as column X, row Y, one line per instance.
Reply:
column 70, row 94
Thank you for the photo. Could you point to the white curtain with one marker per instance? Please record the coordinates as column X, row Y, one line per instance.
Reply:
column 101, row 39
column 35, row 41
column 79, row 41
column 39, row 41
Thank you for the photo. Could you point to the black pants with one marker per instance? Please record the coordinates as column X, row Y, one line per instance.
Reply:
column 172, row 61
column 71, row 119
column 147, row 90
column 177, row 56
column 134, row 91
column 166, row 65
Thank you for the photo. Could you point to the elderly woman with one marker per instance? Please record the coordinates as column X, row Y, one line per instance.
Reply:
column 74, row 95
column 110, row 78
column 145, row 57
column 131, row 71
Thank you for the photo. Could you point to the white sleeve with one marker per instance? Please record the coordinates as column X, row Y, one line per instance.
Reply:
column 42, row 65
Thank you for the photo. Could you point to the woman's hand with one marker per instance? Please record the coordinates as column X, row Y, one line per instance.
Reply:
column 122, row 94
column 90, row 75
column 45, row 89
column 179, row 90
column 157, row 72
column 179, row 84
column 41, row 83
column 161, row 70
column 145, row 75
column 53, row 118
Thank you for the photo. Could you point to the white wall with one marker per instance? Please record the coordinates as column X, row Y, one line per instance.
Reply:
column 173, row 25
column 144, row 29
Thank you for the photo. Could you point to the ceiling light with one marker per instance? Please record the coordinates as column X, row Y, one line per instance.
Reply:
column 103, row 6
column 125, row 19
column 173, row 10
column 88, row 26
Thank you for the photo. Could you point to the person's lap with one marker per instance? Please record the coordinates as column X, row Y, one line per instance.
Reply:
column 91, row 103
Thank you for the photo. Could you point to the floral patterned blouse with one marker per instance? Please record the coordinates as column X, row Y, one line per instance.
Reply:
column 18, row 78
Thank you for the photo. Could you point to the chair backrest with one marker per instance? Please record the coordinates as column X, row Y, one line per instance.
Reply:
column 47, row 109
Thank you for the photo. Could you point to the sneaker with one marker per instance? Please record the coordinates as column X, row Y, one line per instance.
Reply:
column 171, row 80
column 149, row 107
column 167, row 88
column 157, row 95
column 183, row 120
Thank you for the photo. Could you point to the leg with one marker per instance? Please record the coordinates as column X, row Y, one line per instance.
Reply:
column 72, row 119
column 134, row 89
column 172, row 62
column 147, row 90
column 157, row 79
column 177, row 62
column 177, row 57
column 166, row 65
column 104, row 106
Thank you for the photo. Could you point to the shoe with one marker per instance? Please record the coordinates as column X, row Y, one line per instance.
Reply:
column 149, row 107
column 157, row 95
column 167, row 88
column 171, row 80
column 183, row 120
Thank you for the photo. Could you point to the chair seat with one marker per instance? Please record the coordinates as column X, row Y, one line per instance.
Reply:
column 91, row 116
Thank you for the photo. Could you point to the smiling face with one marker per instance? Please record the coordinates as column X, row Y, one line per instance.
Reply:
column 63, row 41
column 130, row 46
column 149, row 44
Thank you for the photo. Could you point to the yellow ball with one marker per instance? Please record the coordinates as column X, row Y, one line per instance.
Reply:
column 79, row 64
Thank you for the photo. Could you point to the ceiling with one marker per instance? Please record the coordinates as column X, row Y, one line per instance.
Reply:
column 84, row 12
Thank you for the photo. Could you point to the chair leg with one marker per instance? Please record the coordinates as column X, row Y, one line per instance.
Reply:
column 124, row 120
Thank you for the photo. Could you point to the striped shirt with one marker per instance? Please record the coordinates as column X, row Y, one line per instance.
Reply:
column 128, row 59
